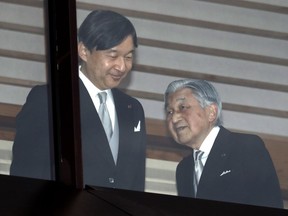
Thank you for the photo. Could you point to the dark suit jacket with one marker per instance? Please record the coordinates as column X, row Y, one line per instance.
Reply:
column 238, row 169
column 31, row 149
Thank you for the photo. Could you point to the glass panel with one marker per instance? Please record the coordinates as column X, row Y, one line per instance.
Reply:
column 175, row 45
column 23, row 67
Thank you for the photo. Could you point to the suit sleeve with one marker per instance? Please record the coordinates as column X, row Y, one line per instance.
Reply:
column 262, row 176
column 31, row 151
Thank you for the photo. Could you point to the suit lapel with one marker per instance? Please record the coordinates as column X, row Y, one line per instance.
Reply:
column 124, row 112
column 93, row 135
column 216, row 162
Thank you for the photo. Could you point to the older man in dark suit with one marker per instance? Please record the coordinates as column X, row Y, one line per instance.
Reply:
column 111, row 158
column 224, row 165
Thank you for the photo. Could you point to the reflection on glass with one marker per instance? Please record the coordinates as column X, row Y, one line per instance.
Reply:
column 20, row 74
column 22, row 67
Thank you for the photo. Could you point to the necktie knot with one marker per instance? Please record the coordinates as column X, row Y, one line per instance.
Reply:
column 198, row 155
column 102, row 97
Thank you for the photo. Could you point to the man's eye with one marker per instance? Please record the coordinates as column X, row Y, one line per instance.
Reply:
column 169, row 112
column 113, row 56
column 130, row 57
column 184, row 107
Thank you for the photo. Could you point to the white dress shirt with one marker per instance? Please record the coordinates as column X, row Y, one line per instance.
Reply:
column 93, row 91
column 207, row 144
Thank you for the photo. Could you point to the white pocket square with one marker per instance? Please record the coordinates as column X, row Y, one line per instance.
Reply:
column 225, row 172
column 138, row 128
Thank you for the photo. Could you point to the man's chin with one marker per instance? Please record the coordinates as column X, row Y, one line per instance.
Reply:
column 114, row 83
column 185, row 142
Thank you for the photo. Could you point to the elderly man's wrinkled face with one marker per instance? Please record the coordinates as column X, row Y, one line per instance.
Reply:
column 187, row 121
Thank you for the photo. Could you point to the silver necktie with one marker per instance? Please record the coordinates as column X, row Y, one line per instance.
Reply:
column 104, row 114
column 198, row 168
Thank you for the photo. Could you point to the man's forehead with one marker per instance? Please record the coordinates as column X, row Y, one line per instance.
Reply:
column 176, row 99
column 180, row 99
column 181, row 94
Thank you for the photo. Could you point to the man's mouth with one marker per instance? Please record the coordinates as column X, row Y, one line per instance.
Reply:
column 180, row 128
column 116, row 76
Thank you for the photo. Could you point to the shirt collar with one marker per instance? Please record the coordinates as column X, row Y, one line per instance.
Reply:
column 91, row 88
column 207, row 144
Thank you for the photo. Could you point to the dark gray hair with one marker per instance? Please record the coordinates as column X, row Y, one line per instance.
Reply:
column 203, row 91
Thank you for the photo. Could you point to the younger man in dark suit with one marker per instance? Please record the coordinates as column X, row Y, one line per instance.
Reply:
column 107, row 42
column 233, row 167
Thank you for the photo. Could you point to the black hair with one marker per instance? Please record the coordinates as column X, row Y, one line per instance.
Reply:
column 102, row 30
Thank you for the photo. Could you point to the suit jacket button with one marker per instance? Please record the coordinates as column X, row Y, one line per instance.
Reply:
column 111, row 180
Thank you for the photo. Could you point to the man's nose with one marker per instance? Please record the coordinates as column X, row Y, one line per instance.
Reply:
column 176, row 116
column 120, row 64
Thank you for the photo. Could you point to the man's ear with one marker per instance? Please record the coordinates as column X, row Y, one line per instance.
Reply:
column 213, row 109
column 82, row 51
